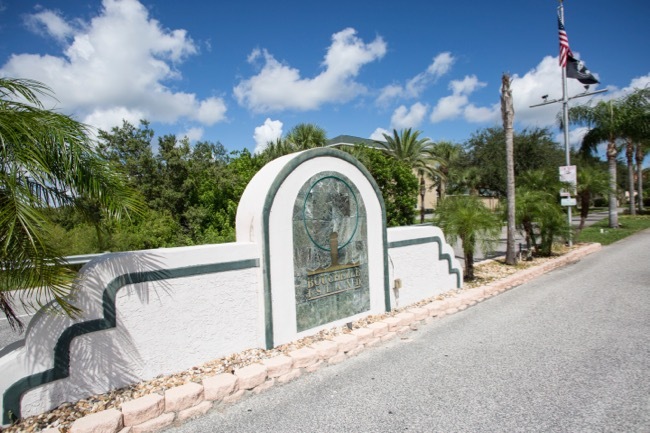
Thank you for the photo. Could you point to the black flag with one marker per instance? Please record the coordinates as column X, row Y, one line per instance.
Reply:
column 576, row 69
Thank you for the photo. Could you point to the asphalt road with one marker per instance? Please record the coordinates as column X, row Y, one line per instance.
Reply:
column 567, row 352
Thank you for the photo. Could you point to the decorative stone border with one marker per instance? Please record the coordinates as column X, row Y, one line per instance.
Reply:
column 154, row 412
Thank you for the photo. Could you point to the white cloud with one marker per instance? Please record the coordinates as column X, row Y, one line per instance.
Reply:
column 193, row 134
column 414, row 87
column 575, row 136
column 636, row 83
column 454, row 105
column 280, row 87
column 441, row 64
column 107, row 118
column 475, row 114
column 640, row 82
column 115, row 67
column 378, row 134
column 49, row 23
column 448, row 107
column 408, row 117
column 271, row 130
column 466, row 86
column 546, row 79
column 211, row 111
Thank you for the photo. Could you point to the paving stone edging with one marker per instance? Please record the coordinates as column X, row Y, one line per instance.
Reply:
column 155, row 412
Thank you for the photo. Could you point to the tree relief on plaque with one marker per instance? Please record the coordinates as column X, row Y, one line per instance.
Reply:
column 330, row 251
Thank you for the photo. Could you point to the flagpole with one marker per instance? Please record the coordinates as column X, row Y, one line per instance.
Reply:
column 581, row 74
column 565, row 119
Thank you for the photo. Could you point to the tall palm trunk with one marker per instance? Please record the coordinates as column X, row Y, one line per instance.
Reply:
column 611, row 168
column 423, row 190
column 629, row 154
column 508, row 114
column 585, row 199
column 639, row 173
column 468, row 253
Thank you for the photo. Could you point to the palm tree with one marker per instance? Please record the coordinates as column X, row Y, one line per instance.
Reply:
column 47, row 160
column 637, row 132
column 508, row 117
column 307, row 136
column 301, row 137
column 276, row 149
column 630, row 148
column 538, row 212
column 591, row 181
column 641, row 150
column 416, row 152
column 467, row 218
column 605, row 120
column 448, row 153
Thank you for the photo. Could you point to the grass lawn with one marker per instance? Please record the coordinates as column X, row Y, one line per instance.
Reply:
column 600, row 232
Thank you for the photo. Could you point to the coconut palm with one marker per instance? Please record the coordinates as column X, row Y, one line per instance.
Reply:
column 627, row 119
column 508, row 117
column 641, row 151
column 301, row 137
column 448, row 154
column 637, row 135
column 47, row 161
column 467, row 218
column 276, row 149
column 591, row 181
column 605, row 120
column 416, row 152
column 307, row 136
column 538, row 212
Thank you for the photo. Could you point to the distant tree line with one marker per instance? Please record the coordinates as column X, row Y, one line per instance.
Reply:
column 62, row 194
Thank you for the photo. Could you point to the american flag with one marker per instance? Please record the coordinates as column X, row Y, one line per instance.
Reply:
column 565, row 51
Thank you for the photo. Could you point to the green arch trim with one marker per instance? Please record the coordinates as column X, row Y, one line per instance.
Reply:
column 443, row 256
column 268, row 203
column 11, row 409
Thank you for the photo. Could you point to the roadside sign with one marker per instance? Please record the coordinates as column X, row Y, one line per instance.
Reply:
column 568, row 174
column 568, row 201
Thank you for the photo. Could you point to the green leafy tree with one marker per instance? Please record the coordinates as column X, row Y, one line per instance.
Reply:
column 130, row 149
column 486, row 155
column 466, row 218
column 396, row 181
column 47, row 160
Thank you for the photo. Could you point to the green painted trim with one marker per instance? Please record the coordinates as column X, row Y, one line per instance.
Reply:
column 268, row 204
column 443, row 256
column 11, row 402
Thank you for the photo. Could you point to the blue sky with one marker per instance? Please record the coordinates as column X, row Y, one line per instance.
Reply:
column 244, row 72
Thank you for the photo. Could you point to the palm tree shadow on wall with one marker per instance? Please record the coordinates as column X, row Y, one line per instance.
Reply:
column 94, row 351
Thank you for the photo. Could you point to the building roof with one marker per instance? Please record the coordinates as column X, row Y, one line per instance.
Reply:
column 351, row 140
